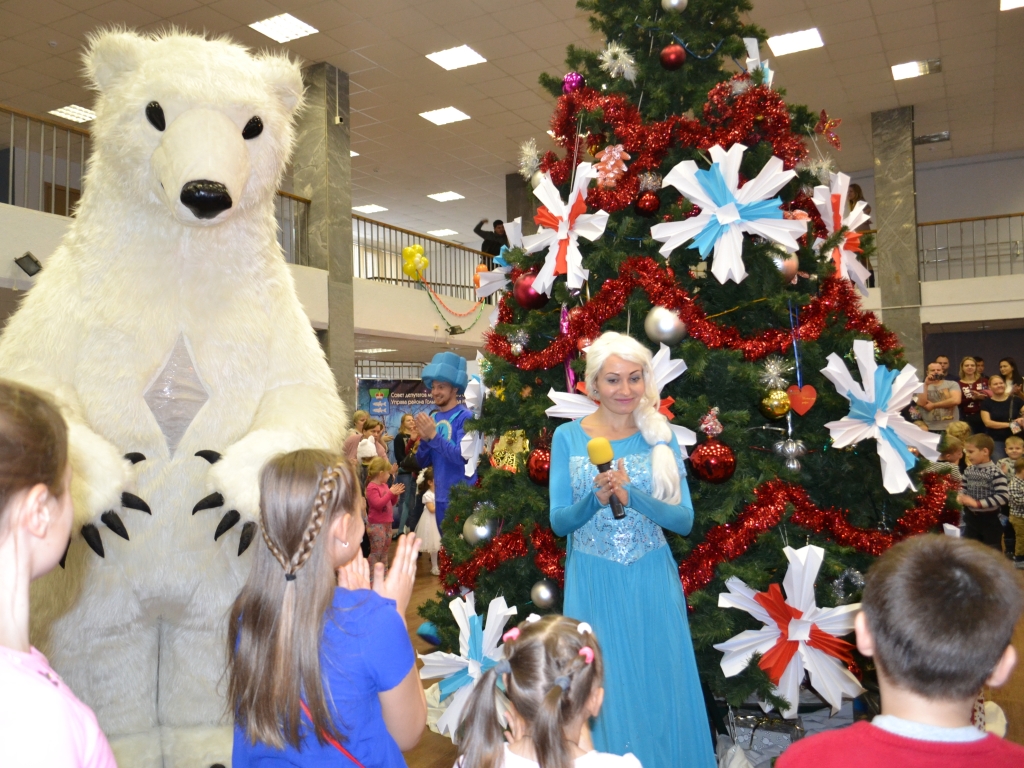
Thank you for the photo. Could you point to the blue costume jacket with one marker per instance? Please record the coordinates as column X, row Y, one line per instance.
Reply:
column 444, row 453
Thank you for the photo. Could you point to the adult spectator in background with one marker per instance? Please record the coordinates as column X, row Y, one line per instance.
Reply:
column 1014, row 382
column 406, row 442
column 358, row 419
column 492, row 240
column 981, row 366
column 939, row 400
column 371, row 428
column 999, row 413
column 973, row 389
column 944, row 362
column 854, row 196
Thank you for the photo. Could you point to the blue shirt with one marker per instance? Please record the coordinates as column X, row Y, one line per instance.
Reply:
column 443, row 452
column 365, row 650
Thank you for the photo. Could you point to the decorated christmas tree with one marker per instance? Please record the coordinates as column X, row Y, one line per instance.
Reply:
column 691, row 208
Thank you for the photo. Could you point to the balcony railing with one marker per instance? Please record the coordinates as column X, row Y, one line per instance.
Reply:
column 981, row 247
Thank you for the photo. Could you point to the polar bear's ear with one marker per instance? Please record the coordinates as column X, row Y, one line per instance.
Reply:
column 111, row 54
column 284, row 77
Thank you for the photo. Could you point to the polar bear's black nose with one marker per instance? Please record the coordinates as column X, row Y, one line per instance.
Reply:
column 205, row 198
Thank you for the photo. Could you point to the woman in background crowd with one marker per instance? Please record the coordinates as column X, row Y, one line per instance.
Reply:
column 974, row 389
column 1000, row 413
column 406, row 442
column 1014, row 381
column 358, row 419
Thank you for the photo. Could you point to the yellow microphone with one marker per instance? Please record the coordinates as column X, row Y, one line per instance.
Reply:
column 602, row 455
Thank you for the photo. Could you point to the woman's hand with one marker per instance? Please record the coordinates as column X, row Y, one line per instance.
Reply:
column 399, row 582
column 398, row 489
column 355, row 574
column 612, row 481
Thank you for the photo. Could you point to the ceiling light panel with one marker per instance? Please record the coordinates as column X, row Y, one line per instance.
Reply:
column 794, row 42
column 442, row 232
column 1009, row 5
column 444, row 116
column 284, row 28
column 375, row 350
column 916, row 69
column 353, row 153
column 456, row 58
column 446, row 197
column 74, row 113
column 369, row 208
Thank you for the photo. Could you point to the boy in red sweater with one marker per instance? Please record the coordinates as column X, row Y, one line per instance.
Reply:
column 937, row 616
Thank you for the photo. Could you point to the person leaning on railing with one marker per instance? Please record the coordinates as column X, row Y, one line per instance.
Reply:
column 492, row 240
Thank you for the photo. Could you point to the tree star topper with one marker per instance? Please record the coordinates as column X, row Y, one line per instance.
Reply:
column 831, row 203
column 797, row 635
column 727, row 211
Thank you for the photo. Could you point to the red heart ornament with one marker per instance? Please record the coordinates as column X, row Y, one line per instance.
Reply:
column 801, row 399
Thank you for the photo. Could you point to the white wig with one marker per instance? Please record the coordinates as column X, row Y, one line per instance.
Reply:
column 651, row 423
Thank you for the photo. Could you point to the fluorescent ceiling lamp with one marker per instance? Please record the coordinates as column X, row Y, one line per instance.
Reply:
column 444, row 116
column 442, row 232
column 456, row 58
column 283, row 28
column 1009, row 5
column 375, row 350
column 369, row 208
column 446, row 197
column 795, row 42
column 353, row 153
column 916, row 69
column 74, row 113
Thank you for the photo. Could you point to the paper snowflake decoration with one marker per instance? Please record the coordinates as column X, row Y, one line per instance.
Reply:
column 473, row 442
column 529, row 158
column 831, row 203
column 617, row 62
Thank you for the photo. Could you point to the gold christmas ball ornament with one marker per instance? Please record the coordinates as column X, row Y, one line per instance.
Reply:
column 775, row 404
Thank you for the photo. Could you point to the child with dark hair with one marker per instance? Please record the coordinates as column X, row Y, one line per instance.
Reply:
column 930, row 668
column 42, row 722
column 984, row 493
column 552, row 675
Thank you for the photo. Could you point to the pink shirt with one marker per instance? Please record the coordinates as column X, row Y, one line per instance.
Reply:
column 379, row 503
column 42, row 723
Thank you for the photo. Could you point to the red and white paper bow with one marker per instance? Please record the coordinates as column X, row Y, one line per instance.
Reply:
column 561, row 225
column 797, row 635
column 831, row 203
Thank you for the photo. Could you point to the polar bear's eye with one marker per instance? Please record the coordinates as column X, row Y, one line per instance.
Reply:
column 253, row 128
column 155, row 115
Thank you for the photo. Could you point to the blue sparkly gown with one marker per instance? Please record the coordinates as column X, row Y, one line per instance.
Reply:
column 620, row 577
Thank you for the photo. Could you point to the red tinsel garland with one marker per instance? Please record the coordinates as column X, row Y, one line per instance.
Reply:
column 835, row 295
column 730, row 540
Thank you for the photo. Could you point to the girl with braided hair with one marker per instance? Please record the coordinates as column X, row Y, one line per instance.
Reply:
column 552, row 674
column 321, row 670
column 620, row 575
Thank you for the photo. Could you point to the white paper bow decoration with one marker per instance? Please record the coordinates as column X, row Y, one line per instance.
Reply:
column 478, row 652
column 497, row 279
column 727, row 211
column 831, row 203
column 561, row 226
column 875, row 407
column 473, row 442
column 797, row 635
column 570, row 405
column 754, row 62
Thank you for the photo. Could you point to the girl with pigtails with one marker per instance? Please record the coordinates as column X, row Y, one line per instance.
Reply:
column 620, row 576
column 552, row 674
column 320, row 667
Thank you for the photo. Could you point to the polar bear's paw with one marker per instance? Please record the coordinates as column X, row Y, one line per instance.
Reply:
column 91, row 532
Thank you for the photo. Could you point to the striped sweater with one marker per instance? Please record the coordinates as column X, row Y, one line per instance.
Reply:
column 987, row 485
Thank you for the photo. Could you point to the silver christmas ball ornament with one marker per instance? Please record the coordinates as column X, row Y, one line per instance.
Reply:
column 674, row 6
column 477, row 530
column 536, row 179
column 544, row 594
column 664, row 326
column 791, row 450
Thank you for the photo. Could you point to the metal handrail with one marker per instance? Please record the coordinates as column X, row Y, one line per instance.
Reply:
column 983, row 246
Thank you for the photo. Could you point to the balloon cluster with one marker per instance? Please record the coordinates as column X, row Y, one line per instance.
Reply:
column 414, row 263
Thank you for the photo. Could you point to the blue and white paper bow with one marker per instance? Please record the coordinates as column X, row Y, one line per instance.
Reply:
column 727, row 211
column 473, row 442
column 754, row 62
column 875, row 407
column 479, row 650
column 497, row 279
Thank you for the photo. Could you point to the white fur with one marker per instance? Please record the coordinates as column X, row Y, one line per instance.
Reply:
column 139, row 635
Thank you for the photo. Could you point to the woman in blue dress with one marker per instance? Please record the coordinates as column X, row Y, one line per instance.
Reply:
column 620, row 575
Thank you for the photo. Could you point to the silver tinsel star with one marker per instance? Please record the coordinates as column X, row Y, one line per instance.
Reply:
column 851, row 575
column 617, row 62
column 821, row 167
column 529, row 158
column 775, row 371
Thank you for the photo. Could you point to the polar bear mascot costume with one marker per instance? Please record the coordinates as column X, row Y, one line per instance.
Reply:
column 167, row 328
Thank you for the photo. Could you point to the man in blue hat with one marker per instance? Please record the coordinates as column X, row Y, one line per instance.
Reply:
column 441, row 432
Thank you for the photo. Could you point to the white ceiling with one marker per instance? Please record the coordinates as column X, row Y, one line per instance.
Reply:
column 403, row 158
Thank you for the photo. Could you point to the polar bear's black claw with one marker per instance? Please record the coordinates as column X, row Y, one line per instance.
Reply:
column 135, row 457
column 248, row 531
column 211, row 456
column 210, row 502
column 131, row 501
column 226, row 522
column 64, row 557
column 113, row 521
column 91, row 534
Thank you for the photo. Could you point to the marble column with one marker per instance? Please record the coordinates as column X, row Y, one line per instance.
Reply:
column 895, row 218
column 520, row 201
column 322, row 172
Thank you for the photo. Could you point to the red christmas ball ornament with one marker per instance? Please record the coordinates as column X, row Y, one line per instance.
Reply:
column 648, row 203
column 525, row 295
column 673, row 57
column 713, row 461
column 538, row 466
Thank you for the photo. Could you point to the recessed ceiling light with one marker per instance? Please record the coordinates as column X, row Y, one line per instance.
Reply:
column 442, row 232
column 369, row 208
column 444, row 116
column 446, row 197
column 1009, row 5
column 353, row 153
column 916, row 69
column 375, row 350
column 283, row 28
column 795, row 42
column 456, row 58
column 74, row 113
